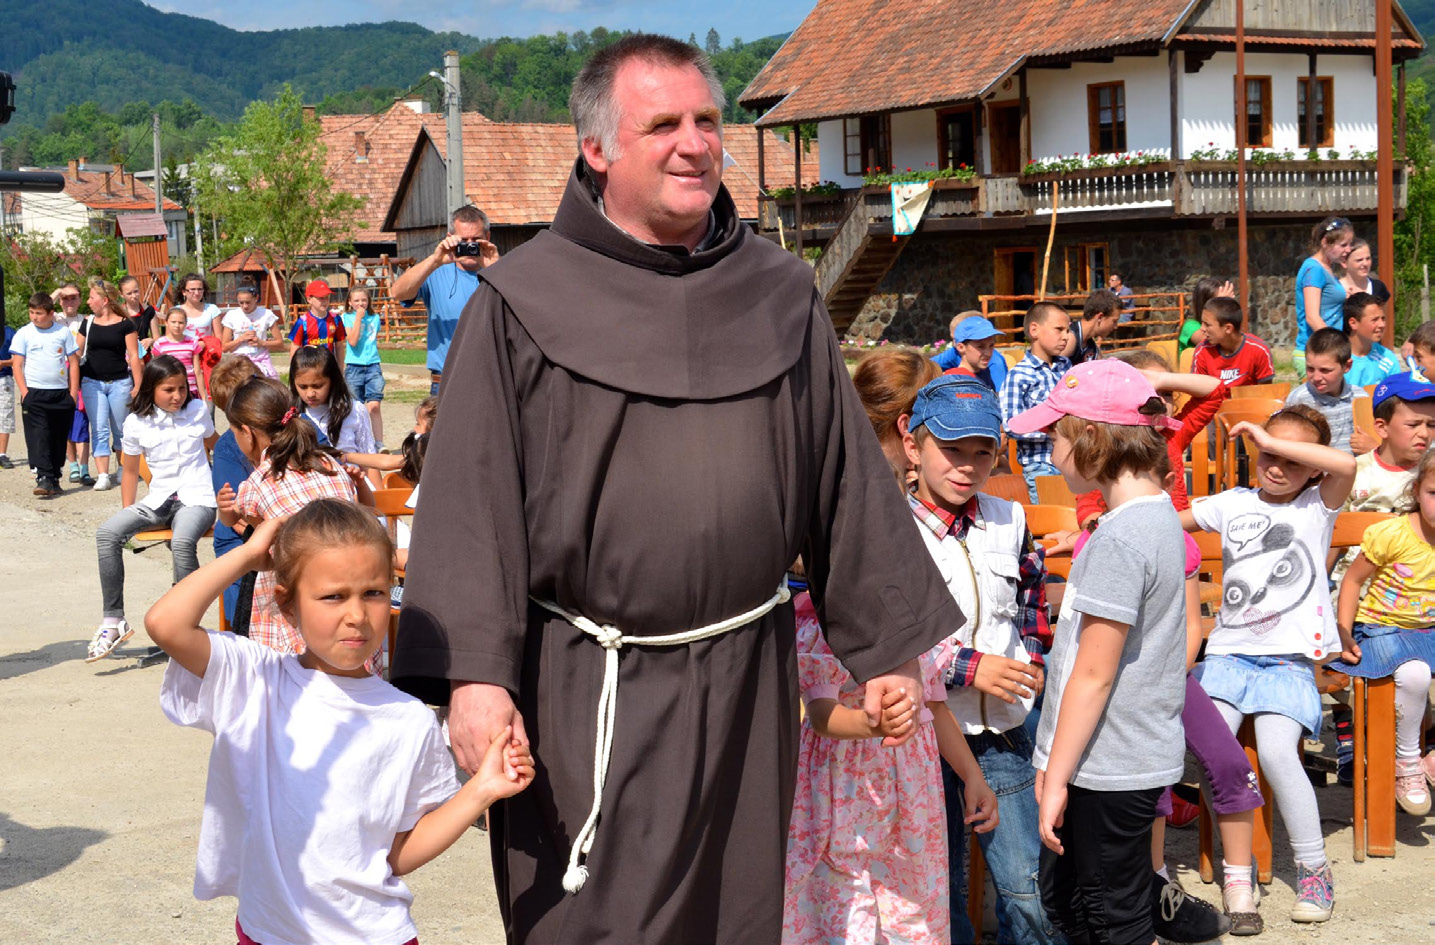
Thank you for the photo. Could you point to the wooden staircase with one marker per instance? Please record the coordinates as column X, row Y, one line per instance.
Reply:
column 856, row 259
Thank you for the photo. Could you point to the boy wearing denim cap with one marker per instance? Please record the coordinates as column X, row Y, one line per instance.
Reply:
column 995, row 571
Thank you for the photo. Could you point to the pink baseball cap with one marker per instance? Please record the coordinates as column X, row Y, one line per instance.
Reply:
column 1107, row 391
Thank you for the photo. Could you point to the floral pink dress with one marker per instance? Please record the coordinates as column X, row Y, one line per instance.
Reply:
column 867, row 848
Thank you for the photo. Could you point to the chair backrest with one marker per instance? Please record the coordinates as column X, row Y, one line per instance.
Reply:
column 143, row 468
column 1053, row 490
column 1009, row 486
column 1012, row 355
column 396, row 481
column 1199, row 465
column 1166, row 349
column 1184, row 362
column 1212, row 559
column 1350, row 527
column 1013, row 463
column 1227, row 456
column 392, row 502
column 1043, row 520
column 1362, row 410
column 1272, row 391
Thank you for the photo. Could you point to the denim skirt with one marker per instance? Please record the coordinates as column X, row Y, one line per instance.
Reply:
column 1256, row 684
column 1383, row 649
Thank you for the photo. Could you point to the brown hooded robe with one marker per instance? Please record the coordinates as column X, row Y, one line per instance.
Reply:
column 649, row 438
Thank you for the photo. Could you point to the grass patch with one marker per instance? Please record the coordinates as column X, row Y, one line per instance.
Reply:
column 403, row 355
column 406, row 396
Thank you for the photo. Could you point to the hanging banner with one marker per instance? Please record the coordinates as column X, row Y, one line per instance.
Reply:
column 909, row 203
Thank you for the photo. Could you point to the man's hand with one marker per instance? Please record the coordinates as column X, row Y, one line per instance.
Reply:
column 1007, row 679
column 907, row 678
column 478, row 714
column 490, row 254
column 443, row 252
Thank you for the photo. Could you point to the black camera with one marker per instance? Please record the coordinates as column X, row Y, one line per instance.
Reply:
column 468, row 248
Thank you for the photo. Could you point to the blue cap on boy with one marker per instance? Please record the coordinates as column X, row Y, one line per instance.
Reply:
column 955, row 406
column 1408, row 387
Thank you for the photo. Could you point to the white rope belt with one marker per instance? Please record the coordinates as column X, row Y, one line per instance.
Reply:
column 612, row 640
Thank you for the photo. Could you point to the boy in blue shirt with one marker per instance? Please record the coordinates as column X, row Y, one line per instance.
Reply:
column 974, row 342
column 1370, row 361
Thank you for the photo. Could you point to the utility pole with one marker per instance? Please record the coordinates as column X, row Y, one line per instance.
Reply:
column 198, row 233
column 1385, row 163
column 1243, row 272
column 453, row 122
column 158, row 188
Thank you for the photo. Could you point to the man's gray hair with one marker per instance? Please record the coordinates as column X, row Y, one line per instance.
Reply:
column 595, row 113
column 468, row 213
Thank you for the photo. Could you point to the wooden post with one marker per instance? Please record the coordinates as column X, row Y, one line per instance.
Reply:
column 1171, row 60
column 1025, row 120
column 797, row 185
column 1400, row 113
column 761, row 167
column 1385, row 161
column 1310, row 140
column 1051, row 234
column 1243, row 275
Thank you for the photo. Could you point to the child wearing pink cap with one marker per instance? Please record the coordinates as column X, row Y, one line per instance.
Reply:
column 1110, row 738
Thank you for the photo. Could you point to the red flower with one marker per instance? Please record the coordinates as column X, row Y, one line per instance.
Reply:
column 909, row 170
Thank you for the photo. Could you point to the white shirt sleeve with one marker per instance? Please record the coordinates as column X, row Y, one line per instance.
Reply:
column 212, row 701
column 130, row 435
column 433, row 780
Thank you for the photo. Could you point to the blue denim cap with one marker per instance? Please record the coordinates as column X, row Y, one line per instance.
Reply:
column 1408, row 387
column 955, row 406
column 975, row 328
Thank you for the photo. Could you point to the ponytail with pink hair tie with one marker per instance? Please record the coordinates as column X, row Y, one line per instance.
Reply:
column 288, row 415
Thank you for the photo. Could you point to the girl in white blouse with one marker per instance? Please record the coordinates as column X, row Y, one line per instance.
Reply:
column 173, row 432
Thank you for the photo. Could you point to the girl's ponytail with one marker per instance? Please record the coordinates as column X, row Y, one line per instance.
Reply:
column 264, row 404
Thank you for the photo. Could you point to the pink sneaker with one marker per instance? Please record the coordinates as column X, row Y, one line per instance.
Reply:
column 1410, row 791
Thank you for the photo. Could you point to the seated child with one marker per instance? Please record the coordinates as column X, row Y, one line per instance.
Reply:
column 1099, row 318
column 1234, row 355
column 1371, row 361
column 1388, row 633
column 1048, row 328
column 1421, row 350
column 973, row 349
column 1192, row 335
column 1327, row 359
column 995, row 572
column 326, row 784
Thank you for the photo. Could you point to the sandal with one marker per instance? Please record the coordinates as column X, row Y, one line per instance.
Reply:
column 107, row 639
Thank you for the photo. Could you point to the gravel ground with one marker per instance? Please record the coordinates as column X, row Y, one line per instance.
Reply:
column 100, row 797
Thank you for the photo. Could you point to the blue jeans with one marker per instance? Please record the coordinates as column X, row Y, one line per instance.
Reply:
column 107, row 403
column 366, row 382
column 1030, row 471
column 1012, row 851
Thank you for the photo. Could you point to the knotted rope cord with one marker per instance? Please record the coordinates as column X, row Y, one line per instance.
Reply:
column 612, row 640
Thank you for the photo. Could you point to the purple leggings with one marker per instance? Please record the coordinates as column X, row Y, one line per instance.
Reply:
column 1208, row 737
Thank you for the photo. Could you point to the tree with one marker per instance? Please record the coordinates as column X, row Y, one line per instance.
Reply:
column 266, row 181
column 713, row 44
column 1415, row 232
column 33, row 262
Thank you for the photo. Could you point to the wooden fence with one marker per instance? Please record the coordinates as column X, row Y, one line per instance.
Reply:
column 1157, row 316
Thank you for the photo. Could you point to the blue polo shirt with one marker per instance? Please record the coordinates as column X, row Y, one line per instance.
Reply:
column 444, row 293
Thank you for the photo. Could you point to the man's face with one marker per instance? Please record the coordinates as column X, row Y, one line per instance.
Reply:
column 1114, row 282
column 1324, row 373
column 662, row 182
column 468, row 232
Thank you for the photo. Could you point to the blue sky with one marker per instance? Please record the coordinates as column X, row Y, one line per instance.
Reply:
column 748, row 19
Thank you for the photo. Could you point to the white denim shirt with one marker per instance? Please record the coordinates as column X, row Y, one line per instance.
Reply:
column 173, row 446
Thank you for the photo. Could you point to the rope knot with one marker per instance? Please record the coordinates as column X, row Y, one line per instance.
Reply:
column 610, row 638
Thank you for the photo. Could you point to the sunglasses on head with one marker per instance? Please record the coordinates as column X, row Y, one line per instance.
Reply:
column 1336, row 224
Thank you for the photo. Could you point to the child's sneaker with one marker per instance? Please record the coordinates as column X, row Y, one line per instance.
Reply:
column 6, row 462
column 104, row 482
column 1183, row 812
column 1315, row 896
column 1410, row 791
column 1181, row 918
column 106, row 639
column 75, row 472
column 1344, row 722
column 86, row 479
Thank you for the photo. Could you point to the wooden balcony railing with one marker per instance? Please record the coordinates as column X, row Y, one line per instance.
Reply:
column 1184, row 188
column 1157, row 316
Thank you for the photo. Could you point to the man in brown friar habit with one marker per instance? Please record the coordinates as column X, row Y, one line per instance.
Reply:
column 645, row 419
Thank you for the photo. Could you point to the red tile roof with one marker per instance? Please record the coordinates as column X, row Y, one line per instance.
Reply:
column 370, row 167
column 88, row 187
column 246, row 260
column 854, row 57
column 516, row 172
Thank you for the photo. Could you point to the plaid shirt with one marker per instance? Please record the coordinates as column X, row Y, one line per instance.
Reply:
column 1026, row 385
column 261, row 497
column 1032, row 619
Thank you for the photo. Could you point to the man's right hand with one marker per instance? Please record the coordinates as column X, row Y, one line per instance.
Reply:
column 443, row 252
column 478, row 714
column 1005, row 678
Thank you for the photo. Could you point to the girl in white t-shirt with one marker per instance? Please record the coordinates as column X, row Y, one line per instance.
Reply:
column 1276, row 619
column 171, row 429
column 249, row 330
column 326, row 784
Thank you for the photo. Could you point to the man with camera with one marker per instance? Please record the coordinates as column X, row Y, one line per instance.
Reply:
column 445, row 279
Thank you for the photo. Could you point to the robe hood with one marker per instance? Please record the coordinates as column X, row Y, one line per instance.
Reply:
column 657, row 320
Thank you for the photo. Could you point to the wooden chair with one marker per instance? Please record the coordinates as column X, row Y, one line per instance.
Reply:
column 1227, row 455
column 1009, row 486
column 1362, row 410
column 153, row 536
column 1043, row 520
column 1013, row 354
column 392, row 505
column 395, row 480
column 1199, row 466
column 1053, row 490
column 1166, row 349
column 1276, row 390
column 1014, row 464
column 1184, row 361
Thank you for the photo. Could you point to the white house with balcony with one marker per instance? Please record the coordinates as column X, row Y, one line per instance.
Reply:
column 1128, row 107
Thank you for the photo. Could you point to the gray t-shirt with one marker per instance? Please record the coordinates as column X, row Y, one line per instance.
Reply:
column 1338, row 411
column 1132, row 571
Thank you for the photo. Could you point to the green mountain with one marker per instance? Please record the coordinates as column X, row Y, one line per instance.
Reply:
column 112, row 52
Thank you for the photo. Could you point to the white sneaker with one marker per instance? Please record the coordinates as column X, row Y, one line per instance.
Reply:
column 107, row 639
column 104, row 482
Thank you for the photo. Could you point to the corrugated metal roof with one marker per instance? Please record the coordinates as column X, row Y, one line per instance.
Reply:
column 133, row 225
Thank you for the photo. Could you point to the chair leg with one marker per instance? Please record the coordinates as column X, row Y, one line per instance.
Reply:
column 1204, row 827
column 393, row 638
column 976, row 886
column 1380, row 767
column 1265, row 817
column 1358, row 697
